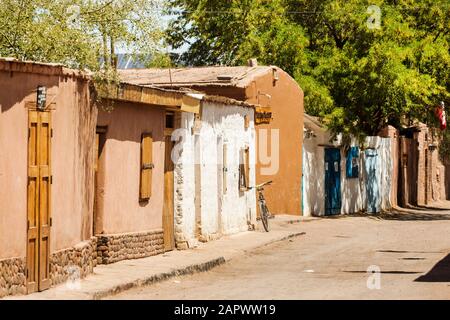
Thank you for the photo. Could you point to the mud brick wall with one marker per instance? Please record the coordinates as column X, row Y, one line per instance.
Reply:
column 12, row 277
column 114, row 248
column 79, row 261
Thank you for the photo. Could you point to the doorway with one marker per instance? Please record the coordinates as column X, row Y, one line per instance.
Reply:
column 100, row 141
column 39, row 219
column 332, row 181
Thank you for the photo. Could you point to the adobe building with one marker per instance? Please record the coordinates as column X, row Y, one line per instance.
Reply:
column 47, row 126
column 419, row 175
column 266, row 86
column 134, row 175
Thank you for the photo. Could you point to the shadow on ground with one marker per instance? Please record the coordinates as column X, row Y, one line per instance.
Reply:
column 385, row 272
column 397, row 215
column 439, row 273
column 413, row 216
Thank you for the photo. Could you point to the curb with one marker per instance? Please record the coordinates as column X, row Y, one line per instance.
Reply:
column 188, row 270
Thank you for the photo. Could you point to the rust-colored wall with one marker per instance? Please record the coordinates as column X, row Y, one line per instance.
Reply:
column 73, row 123
column 121, row 211
column 284, row 196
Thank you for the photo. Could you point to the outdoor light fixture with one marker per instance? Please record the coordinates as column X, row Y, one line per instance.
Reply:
column 41, row 100
column 276, row 77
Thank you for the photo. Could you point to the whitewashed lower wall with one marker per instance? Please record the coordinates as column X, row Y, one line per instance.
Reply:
column 353, row 191
column 220, row 212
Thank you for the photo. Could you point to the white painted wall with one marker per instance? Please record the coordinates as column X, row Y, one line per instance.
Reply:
column 353, row 191
column 221, row 212
column 313, row 177
column 387, row 167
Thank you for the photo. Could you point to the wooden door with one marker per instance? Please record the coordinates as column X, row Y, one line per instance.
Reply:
column 39, row 199
column 168, row 212
column 332, row 181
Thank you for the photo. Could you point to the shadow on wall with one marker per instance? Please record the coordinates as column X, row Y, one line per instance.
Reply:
column 439, row 273
column 18, row 93
column 127, row 121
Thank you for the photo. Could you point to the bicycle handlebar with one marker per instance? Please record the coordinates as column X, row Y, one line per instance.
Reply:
column 262, row 185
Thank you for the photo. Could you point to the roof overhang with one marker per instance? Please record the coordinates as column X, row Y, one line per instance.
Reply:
column 176, row 100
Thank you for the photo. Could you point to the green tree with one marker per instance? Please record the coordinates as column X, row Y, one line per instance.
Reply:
column 78, row 33
column 356, row 76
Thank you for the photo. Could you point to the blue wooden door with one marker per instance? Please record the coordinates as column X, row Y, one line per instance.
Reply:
column 373, row 181
column 332, row 181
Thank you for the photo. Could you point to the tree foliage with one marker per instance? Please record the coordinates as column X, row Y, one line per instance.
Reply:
column 357, row 77
column 78, row 33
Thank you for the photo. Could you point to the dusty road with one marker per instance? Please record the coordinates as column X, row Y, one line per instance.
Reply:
column 411, row 249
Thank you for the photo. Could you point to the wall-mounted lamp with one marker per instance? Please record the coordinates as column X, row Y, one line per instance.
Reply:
column 41, row 99
column 276, row 77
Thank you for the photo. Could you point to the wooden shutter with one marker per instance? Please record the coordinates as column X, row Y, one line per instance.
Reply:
column 225, row 168
column 244, row 169
column 146, row 166
column 247, row 167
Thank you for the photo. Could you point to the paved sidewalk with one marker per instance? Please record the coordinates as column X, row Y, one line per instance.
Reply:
column 114, row 278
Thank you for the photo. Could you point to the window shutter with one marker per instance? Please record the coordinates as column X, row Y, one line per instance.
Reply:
column 244, row 169
column 247, row 167
column 352, row 167
column 146, row 166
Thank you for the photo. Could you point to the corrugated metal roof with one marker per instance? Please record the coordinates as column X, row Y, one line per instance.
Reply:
column 185, row 77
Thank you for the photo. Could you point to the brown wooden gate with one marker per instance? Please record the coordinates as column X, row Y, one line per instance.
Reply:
column 39, row 200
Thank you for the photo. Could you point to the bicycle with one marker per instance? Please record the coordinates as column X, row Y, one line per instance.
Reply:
column 265, row 213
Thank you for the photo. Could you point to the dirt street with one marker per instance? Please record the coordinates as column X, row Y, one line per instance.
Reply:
column 411, row 249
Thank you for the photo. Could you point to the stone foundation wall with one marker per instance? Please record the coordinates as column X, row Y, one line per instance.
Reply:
column 114, row 248
column 76, row 262
column 12, row 277
column 72, row 263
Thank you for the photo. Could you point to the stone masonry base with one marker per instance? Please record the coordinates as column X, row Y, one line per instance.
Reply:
column 12, row 277
column 73, row 263
column 118, row 247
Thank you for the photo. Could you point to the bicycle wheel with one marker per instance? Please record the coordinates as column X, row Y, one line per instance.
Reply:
column 265, row 217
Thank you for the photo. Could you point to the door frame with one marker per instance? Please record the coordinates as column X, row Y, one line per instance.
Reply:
column 172, row 121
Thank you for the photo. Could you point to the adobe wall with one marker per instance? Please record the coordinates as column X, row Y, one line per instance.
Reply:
column 286, row 101
column 73, row 123
column 120, row 163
